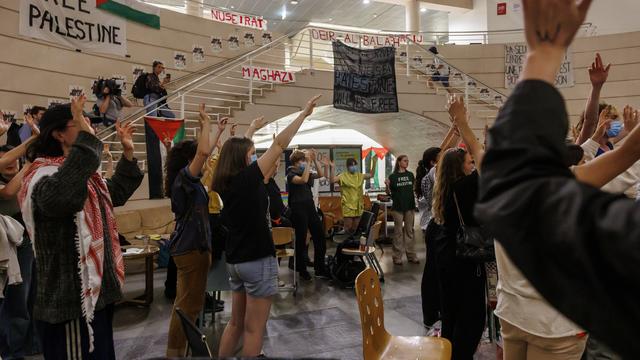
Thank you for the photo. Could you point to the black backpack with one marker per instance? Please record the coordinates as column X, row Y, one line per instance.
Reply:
column 345, row 268
column 139, row 89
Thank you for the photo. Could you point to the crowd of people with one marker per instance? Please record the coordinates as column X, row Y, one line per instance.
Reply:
column 556, row 216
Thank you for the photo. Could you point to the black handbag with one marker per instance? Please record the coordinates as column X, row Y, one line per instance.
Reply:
column 473, row 242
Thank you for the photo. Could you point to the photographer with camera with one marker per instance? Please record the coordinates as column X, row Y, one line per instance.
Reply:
column 155, row 89
column 109, row 100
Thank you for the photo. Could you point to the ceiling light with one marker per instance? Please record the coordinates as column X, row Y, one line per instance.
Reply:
column 365, row 1
column 294, row 2
column 330, row 19
column 233, row 7
column 284, row 12
column 423, row 10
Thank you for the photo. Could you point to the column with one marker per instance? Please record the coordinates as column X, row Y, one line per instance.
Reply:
column 194, row 7
column 412, row 15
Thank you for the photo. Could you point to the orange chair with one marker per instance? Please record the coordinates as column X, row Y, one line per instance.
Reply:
column 377, row 343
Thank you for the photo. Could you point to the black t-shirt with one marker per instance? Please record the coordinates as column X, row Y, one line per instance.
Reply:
column 276, row 205
column 245, row 214
column 466, row 190
column 299, row 193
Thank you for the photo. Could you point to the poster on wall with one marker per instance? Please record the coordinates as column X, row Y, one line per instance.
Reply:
column 198, row 54
column 216, row 44
column 77, row 25
column 179, row 60
column 324, row 183
column 53, row 101
column 75, row 90
column 8, row 115
column 234, row 42
column 515, row 55
column 249, row 40
column 266, row 38
column 137, row 70
column 233, row 18
column 364, row 80
column 269, row 75
column 26, row 108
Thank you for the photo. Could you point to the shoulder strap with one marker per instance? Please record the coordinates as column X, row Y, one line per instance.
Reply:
column 455, row 199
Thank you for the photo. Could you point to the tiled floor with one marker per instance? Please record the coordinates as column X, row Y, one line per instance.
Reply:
column 321, row 321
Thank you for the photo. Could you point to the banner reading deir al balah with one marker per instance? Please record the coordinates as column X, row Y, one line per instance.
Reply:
column 77, row 24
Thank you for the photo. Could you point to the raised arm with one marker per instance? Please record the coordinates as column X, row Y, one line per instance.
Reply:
column 104, row 105
column 14, row 154
column 13, row 187
column 313, row 156
column 609, row 165
column 459, row 117
column 598, row 75
column 372, row 170
column 204, row 148
column 284, row 138
column 256, row 125
column 304, row 178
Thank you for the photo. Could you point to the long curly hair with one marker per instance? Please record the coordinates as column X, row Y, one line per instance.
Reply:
column 450, row 169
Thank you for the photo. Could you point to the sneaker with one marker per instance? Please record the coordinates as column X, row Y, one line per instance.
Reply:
column 304, row 275
column 281, row 283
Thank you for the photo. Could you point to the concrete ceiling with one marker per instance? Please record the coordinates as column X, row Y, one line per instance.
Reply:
column 375, row 15
column 402, row 132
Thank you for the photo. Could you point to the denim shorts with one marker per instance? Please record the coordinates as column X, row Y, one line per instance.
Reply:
column 258, row 278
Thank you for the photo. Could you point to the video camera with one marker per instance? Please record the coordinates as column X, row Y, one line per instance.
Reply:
column 114, row 85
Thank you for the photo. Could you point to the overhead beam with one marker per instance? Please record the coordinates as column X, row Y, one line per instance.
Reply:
column 440, row 5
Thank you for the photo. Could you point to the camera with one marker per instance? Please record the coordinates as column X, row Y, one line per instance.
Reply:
column 114, row 86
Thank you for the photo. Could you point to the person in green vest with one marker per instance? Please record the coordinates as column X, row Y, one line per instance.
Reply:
column 400, row 187
column 351, row 192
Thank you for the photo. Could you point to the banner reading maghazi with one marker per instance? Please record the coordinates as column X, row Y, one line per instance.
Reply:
column 270, row 75
column 77, row 24
column 250, row 21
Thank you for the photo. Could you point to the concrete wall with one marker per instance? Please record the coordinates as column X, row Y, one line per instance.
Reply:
column 34, row 71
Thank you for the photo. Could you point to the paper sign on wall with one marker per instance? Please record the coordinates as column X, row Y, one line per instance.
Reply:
column 515, row 55
column 198, row 54
column 228, row 17
column 266, row 38
column 53, row 101
column 77, row 25
column 249, row 40
column 234, row 42
column 269, row 75
column 137, row 71
column 502, row 8
column 179, row 60
column 216, row 44
column 75, row 90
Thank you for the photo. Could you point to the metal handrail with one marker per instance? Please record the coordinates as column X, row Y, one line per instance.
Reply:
column 216, row 68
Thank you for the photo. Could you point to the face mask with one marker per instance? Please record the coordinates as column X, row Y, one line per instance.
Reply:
column 615, row 129
column 353, row 169
column 302, row 166
column 254, row 158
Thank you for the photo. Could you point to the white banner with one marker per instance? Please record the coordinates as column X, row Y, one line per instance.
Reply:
column 516, row 54
column 269, row 75
column 76, row 24
column 367, row 40
column 228, row 17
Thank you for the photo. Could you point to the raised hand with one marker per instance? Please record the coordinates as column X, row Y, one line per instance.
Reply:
column 258, row 123
column 553, row 23
column 5, row 125
column 28, row 118
column 222, row 124
column 232, row 131
column 630, row 118
column 311, row 104
column 603, row 124
column 106, row 151
column 312, row 154
column 457, row 109
column 77, row 110
column 125, row 133
column 598, row 73
column 204, row 117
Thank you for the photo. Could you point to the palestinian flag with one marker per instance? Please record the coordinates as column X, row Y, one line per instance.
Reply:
column 133, row 10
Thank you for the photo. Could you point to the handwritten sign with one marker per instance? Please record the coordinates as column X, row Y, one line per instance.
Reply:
column 394, row 40
column 76, row 24
column 364, row 80
column 516, row 54
column 269, row 75
column 228, row 17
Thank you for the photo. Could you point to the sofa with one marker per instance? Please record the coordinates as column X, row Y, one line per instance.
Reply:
column 149, row 221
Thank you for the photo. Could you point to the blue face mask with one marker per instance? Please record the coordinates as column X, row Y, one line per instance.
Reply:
column 254, row 158
column 615, row 129
column 302, row 166
column 353, row 169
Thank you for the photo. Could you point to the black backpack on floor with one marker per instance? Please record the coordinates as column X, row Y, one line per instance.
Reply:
column 345, row 268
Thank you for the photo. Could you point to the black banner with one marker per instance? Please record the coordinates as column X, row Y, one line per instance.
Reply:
column 364, row 80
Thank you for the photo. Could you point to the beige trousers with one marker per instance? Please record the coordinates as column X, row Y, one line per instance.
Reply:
column 403, row 241
column 521, row 345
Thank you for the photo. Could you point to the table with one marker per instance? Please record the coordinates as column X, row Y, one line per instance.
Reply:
column 149, row 252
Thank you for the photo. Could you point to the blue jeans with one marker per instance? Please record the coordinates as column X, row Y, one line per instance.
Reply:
column 161, row 110
column 17, row 332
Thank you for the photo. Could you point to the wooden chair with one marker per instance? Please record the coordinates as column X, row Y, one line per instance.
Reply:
column 369, row 254
column 283, row 236
column 377, row 343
